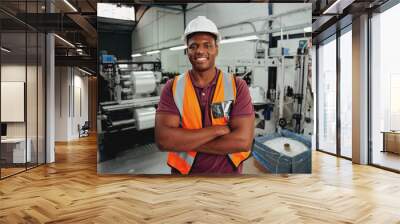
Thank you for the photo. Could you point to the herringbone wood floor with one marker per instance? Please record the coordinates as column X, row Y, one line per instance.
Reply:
column 70, row 191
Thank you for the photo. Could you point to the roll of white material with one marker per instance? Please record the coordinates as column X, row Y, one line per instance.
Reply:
column 257, row 95
column 277, row 144
column 145, row 118
column 143, row 82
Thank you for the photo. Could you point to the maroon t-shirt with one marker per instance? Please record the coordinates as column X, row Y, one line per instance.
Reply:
column 205, row 162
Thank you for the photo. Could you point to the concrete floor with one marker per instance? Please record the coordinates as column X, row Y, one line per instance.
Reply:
column 147, row 159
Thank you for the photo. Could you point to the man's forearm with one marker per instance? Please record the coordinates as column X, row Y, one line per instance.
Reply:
column 182, row 140
column 226, row 144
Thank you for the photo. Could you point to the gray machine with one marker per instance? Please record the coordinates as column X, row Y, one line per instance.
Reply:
column 133, row 91
column 281, row 91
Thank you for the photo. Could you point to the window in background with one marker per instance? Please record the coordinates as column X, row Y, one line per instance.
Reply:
column 346, row 94
column 385, row 88
column 15, row 150
column 22, row 66
column 327, row 96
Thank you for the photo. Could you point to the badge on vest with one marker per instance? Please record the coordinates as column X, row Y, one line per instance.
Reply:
column 221, row 109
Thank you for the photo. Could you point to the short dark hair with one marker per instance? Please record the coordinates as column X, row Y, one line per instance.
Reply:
column 192, row 34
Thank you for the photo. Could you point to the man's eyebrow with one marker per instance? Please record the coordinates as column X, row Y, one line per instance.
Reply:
column 203, row 42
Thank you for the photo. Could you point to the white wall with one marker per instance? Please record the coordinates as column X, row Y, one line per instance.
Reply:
column 61, row 103
column 33, row 126
column 16, row 73
column 70, row 83
column 11, row 73
column 161, row 28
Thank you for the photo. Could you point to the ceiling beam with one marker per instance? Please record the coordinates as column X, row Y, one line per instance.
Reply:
column 139, row 11
column 87, row 28
column 82, row 61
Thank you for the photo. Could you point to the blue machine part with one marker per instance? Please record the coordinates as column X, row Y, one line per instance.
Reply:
column 285, row 51
column 108, row 59
column 267, row 111
column 276, row 162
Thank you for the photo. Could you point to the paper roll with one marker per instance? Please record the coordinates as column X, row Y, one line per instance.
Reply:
column 145, row 118
column 143, row 82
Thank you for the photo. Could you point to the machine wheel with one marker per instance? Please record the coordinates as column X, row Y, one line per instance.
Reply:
column 282, row 122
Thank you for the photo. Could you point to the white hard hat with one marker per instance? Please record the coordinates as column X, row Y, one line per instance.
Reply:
column 201, row 24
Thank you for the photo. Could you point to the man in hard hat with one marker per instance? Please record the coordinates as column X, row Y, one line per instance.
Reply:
column 205, row 118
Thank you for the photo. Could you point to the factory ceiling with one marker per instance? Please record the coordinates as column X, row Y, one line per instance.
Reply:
column 77, row 21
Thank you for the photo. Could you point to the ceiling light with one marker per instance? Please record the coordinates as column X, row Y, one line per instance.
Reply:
column 86, row 72
column 115, row 11
column 64, row 40
column 136, row 55
column 5, row 50
column 239, row 39
column 308, row 29
column 152, row 52
column 70, row 5
column 177, row 48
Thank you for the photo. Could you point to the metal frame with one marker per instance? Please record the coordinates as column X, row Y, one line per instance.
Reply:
column 316, row 97
column 369, row 104
column 44, row 74
column 338, row 98
column 0, row 91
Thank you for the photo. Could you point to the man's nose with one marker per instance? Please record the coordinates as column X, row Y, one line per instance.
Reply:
column 201, row 50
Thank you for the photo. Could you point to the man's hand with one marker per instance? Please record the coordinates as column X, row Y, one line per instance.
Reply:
column 221, row 130
column 170, row 137
column 220, row 140
column 240, row 139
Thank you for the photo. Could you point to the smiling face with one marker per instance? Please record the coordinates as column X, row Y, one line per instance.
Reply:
column 202, row 51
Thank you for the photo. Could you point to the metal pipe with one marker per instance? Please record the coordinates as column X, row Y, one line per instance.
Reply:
column 134, row 103
column 127, row 83
column 278, row 15
column 123, row 122
column 268, row 18
column 126, row 90
column 198, row 5
column 237, row 24
column 289, row 28
column 270, row 12
column 184, row 16
column 125, row 77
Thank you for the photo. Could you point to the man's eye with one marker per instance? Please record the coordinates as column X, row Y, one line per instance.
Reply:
column 192, row 47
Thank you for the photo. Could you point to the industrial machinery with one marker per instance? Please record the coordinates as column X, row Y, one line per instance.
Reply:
column 280, row 86
column 127, row 105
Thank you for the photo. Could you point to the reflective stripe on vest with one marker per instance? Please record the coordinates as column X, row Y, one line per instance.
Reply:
column 186, row 100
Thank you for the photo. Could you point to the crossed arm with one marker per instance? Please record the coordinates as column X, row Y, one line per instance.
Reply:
column 220, row 140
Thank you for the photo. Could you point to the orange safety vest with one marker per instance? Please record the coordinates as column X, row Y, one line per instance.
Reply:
column 186, row 100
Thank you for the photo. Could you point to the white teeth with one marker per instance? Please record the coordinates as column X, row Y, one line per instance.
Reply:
column 201, row 59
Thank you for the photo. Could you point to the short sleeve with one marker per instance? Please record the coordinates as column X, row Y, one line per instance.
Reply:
column 243, row 105
column 167, row 103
